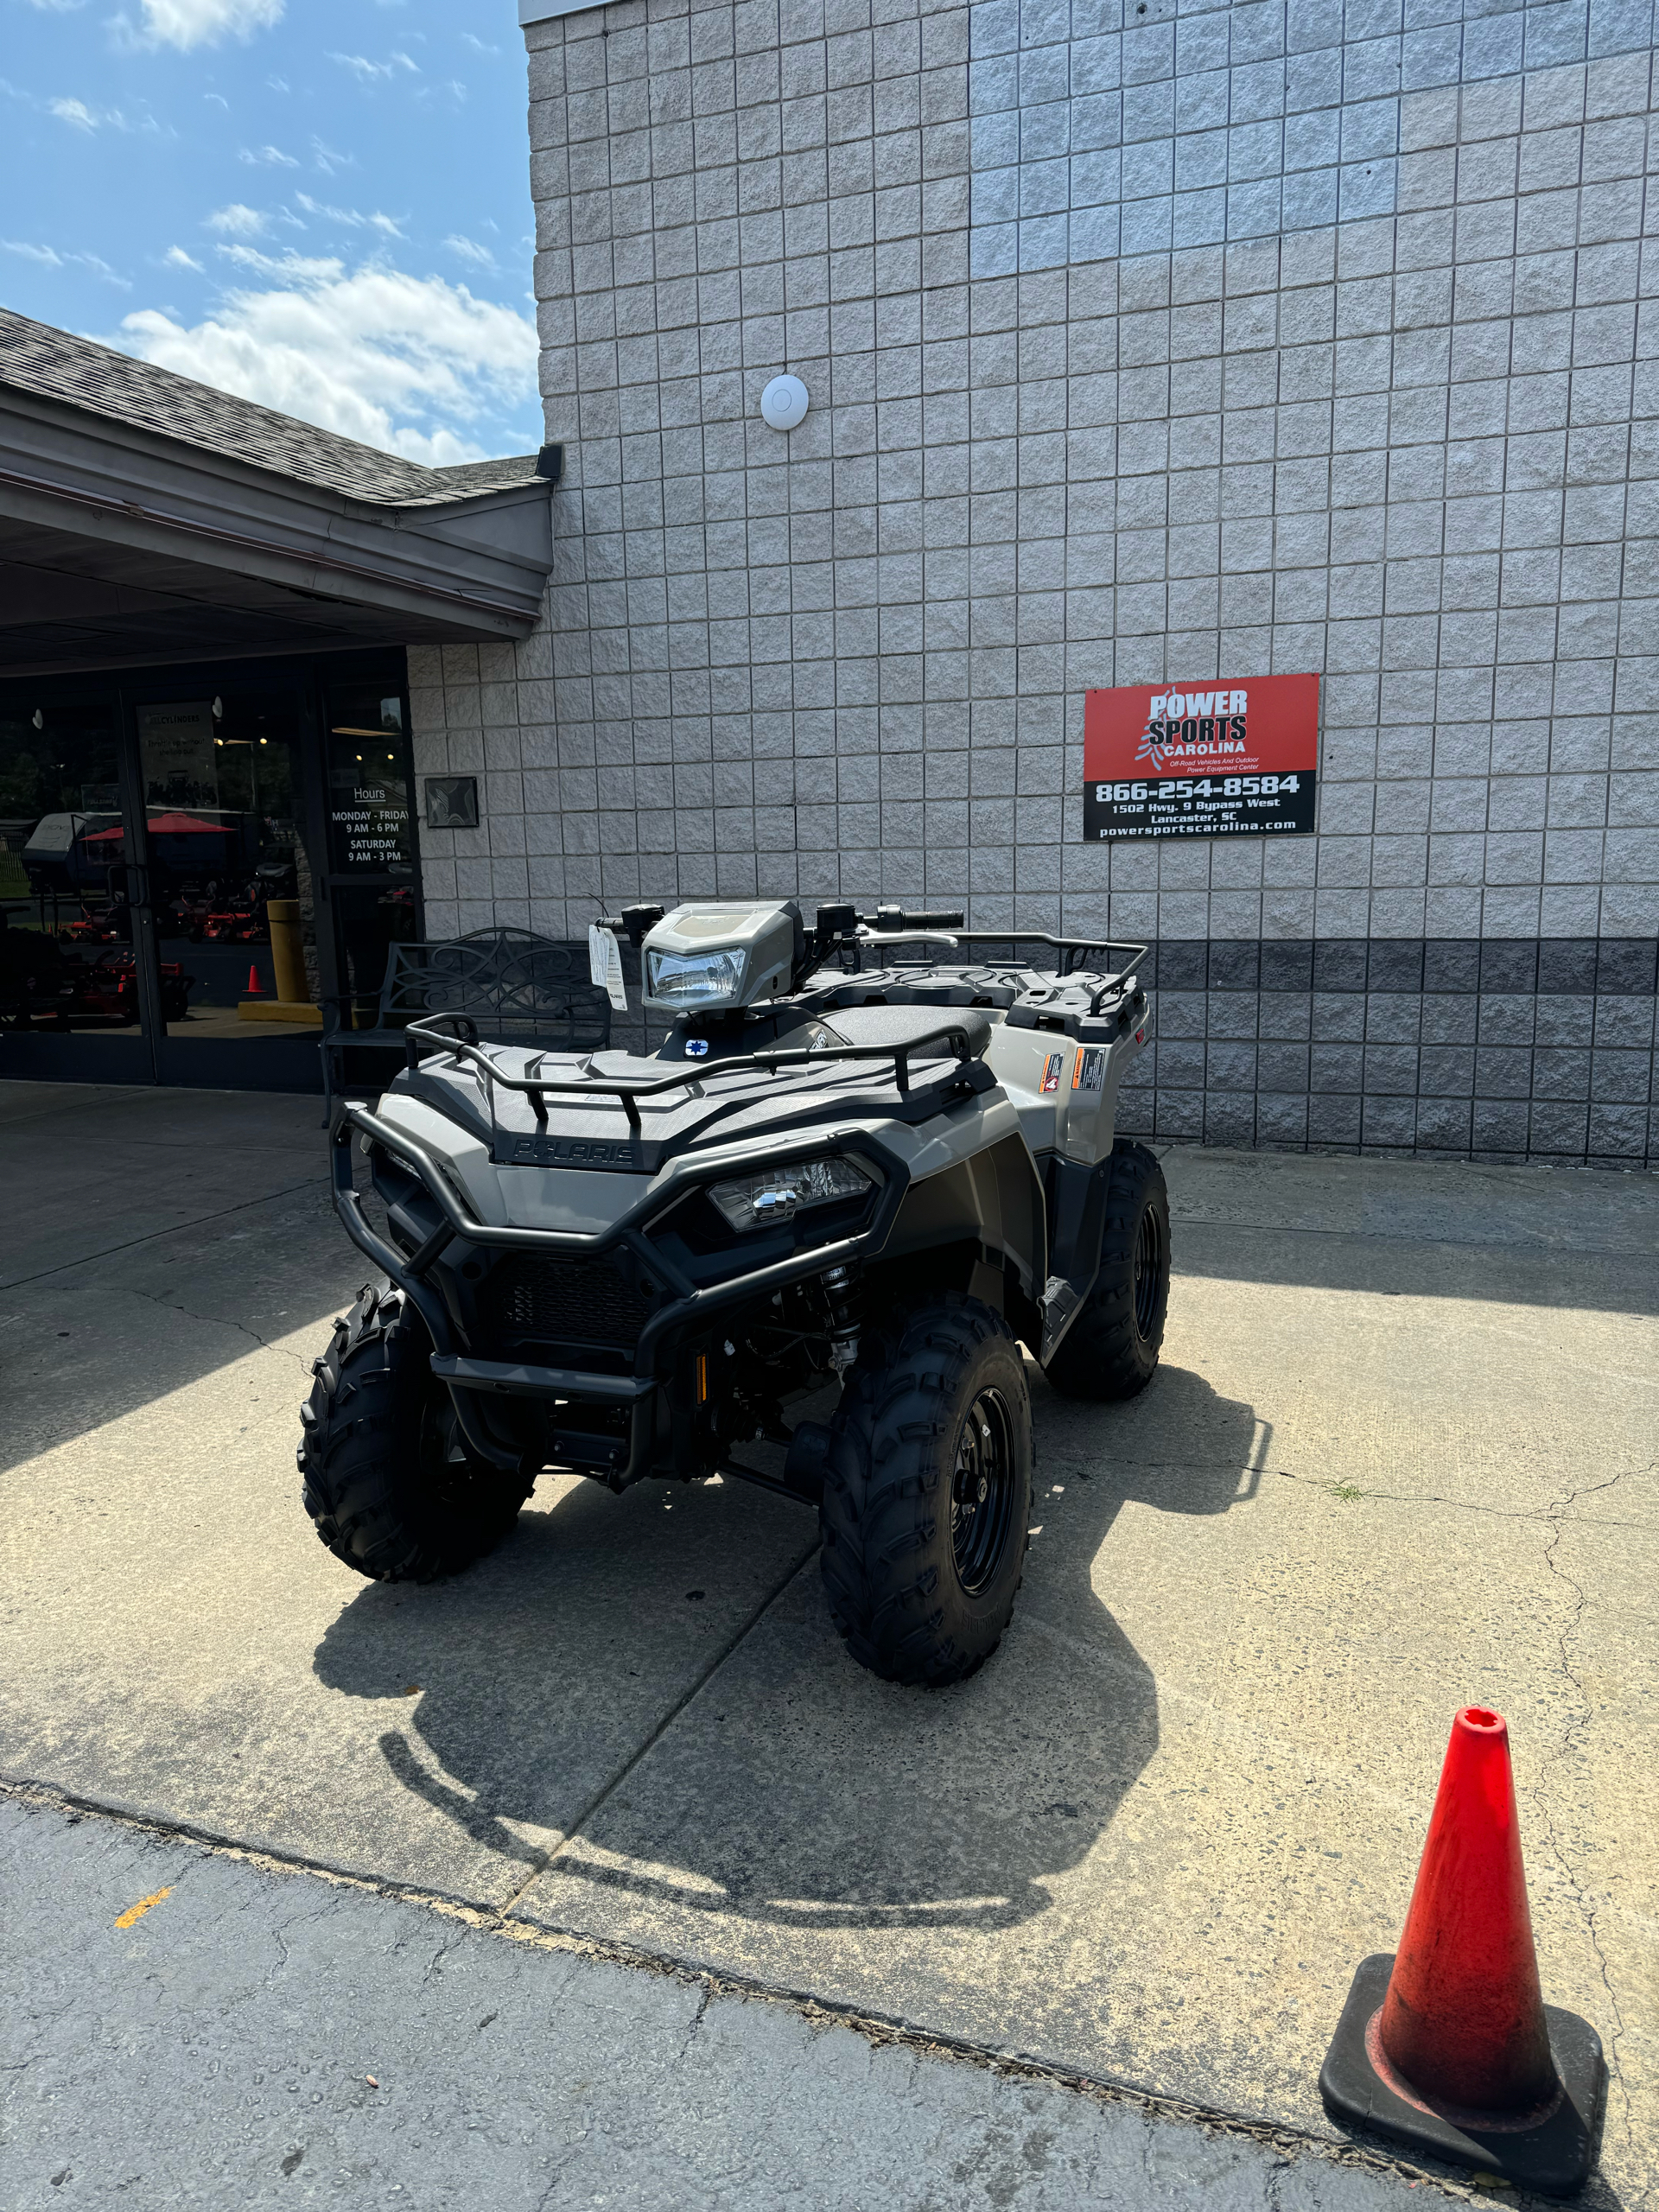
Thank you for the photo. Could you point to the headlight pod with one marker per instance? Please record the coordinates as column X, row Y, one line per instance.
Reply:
column 696, row 978
column 780, row 1193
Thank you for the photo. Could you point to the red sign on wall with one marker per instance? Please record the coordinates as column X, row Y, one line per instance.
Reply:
column 1223, row 758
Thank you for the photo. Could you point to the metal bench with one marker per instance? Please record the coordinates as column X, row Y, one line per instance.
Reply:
column 519, row 988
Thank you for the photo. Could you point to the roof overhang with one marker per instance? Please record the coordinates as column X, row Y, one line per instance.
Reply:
column 119, row 547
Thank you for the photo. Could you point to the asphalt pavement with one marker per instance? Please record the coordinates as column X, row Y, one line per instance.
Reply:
column 1399, row 1457
column 193, row 2029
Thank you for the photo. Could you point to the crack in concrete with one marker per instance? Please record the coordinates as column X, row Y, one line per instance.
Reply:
column 704, row 2000
column 1572, row 1741
column 219, row 1320
column 1552, row 1515
column 434, row 1965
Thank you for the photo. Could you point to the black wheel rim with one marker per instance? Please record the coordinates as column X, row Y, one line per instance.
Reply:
column 1148, row 1270
column 455, row 1482
column 981, row 1491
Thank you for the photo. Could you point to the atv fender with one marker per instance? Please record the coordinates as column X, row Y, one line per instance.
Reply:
column 991, row 1198
column 1077, row 1207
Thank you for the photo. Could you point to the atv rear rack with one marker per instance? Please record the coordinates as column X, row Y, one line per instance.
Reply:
column 1066, row 946
column 631, row 1088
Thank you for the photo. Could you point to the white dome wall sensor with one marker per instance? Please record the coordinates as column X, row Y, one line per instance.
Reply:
column 784, row 403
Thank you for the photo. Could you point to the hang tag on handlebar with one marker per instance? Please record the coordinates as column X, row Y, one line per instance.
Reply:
column 605, row 966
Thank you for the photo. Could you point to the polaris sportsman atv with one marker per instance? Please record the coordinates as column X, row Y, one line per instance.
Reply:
column 843, row 1172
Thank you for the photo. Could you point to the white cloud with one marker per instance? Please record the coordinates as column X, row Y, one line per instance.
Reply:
column 398, row 361
column 49, row 257
column 366, row 71
column 469, row 250
column 75, row 111
column 479, row 44
column 185, row 23
column 237, row 221
column 267, row 157
column 176, row 258
column 350, row 217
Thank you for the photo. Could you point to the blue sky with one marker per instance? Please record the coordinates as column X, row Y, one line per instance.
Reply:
column 323, row 205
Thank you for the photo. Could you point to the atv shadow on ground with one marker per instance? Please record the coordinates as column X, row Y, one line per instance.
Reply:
column 790, row 1788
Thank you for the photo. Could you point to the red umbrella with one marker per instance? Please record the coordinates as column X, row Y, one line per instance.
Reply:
column 165, row 825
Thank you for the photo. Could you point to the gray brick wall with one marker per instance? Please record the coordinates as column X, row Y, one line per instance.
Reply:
column 1413, row 448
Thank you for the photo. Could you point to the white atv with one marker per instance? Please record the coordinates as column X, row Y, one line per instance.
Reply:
column 842, row 1172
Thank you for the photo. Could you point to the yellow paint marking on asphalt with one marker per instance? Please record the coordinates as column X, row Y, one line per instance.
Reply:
column 136, row 1912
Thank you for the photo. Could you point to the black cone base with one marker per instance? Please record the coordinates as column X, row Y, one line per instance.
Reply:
column 1554, row 2156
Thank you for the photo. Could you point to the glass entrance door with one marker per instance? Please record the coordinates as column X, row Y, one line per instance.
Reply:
column 76, row 1000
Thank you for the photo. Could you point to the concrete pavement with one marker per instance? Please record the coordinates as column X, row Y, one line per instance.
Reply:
column 1400, row 1456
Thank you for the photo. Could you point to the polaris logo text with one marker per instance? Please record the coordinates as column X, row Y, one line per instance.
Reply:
column 538, row 1151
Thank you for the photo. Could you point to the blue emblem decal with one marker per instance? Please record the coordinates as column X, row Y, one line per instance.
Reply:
column 696, row 1048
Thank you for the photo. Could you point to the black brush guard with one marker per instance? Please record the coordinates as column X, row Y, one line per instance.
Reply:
column 470, row 1381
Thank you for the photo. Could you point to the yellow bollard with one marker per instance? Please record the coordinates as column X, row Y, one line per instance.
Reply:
column 293, row 1001
column 287, row 949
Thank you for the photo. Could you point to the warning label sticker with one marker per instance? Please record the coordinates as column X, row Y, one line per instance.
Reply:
column 1212, row 759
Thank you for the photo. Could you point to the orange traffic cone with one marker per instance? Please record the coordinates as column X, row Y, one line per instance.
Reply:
column 1449, row 2045
column 254, row 990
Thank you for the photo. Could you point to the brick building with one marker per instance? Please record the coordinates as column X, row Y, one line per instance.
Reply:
column 1141, row 347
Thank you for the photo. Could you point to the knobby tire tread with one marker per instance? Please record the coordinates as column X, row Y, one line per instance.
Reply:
column 887, row 1484
column 359, row 1456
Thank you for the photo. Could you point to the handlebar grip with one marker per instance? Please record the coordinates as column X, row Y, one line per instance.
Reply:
column 889, row 921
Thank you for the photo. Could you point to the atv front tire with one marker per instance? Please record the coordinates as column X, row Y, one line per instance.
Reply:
column 384, row 1472
column 1111, row 1349
column 927, row 1494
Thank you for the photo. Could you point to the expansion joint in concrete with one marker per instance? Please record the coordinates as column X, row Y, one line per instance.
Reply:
column 160, row 1235
column 710, row 1667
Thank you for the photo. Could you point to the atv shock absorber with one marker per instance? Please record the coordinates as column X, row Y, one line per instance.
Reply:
column 843, row 1298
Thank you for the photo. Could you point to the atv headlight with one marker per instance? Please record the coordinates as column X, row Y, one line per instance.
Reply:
column 695, row 978
column 778, row 1194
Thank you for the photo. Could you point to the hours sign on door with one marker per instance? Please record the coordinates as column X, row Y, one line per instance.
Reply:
column 1211, row 759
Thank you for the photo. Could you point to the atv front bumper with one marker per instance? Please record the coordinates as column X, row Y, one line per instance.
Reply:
column 602, row 1424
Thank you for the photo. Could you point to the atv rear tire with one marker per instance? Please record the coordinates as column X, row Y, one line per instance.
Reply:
column 385, row 1474
column 1111, row 1349
column 927, row 1494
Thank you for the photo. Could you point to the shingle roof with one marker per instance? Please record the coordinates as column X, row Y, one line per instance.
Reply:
column 57, row 365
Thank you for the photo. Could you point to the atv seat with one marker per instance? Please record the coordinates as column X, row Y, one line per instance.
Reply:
column 914, row 1025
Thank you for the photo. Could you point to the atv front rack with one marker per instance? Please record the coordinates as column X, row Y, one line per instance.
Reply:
column 631, row 1088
